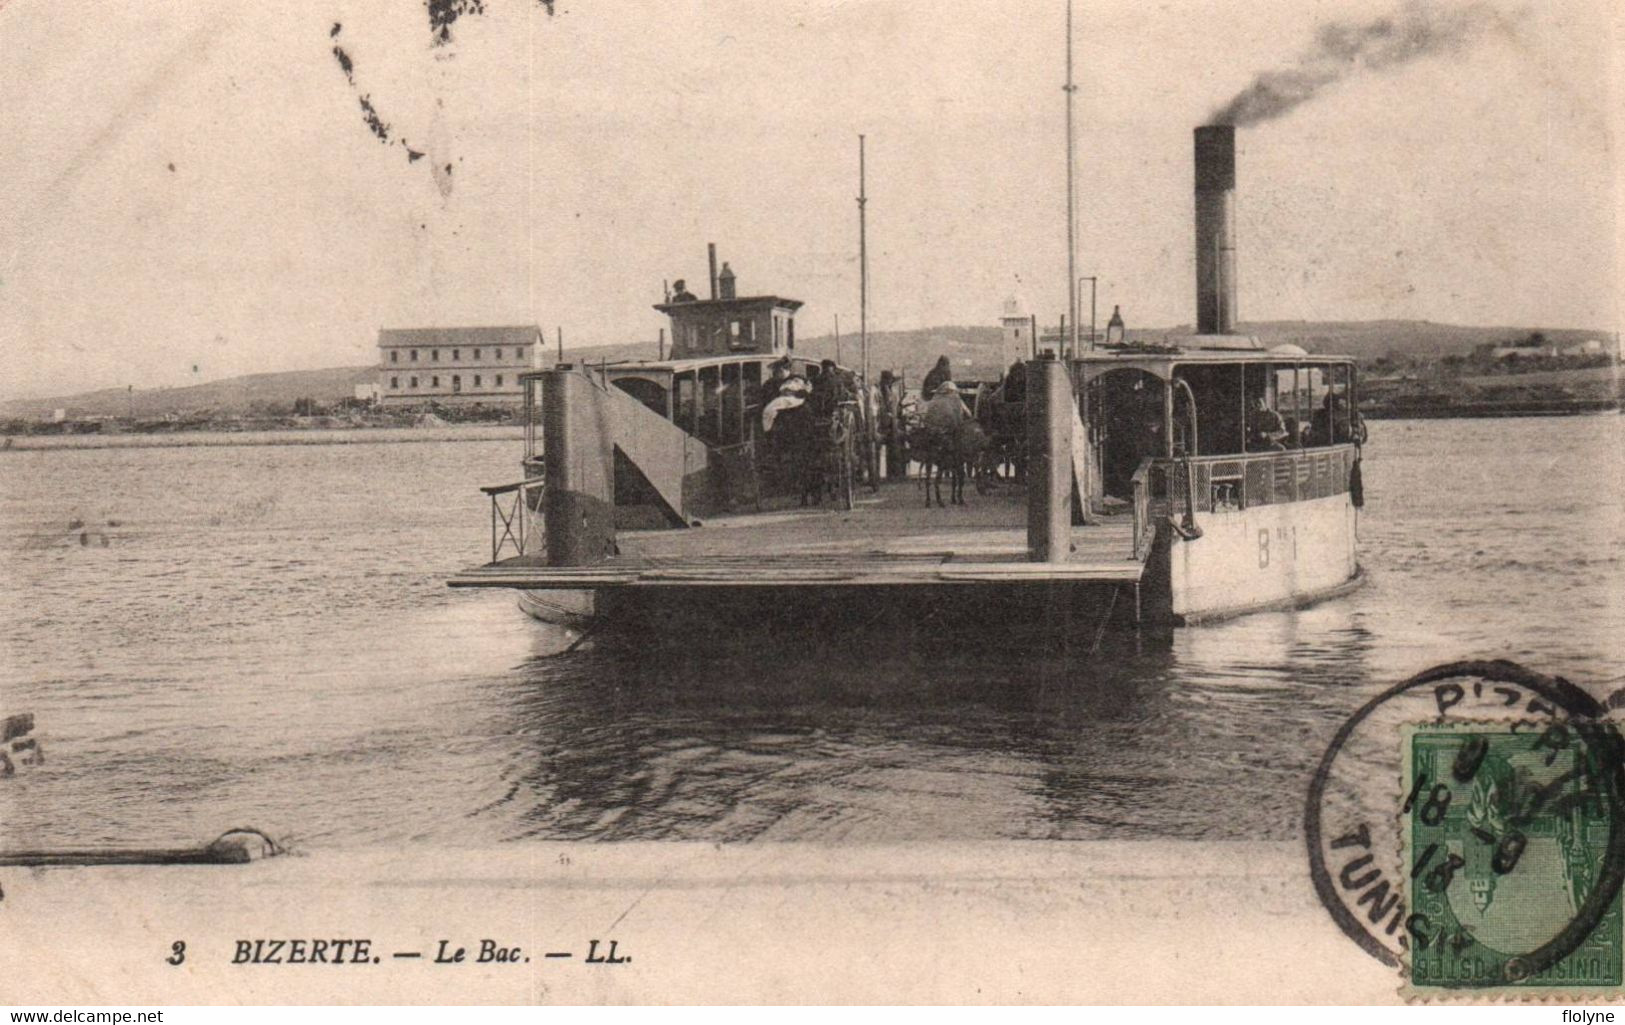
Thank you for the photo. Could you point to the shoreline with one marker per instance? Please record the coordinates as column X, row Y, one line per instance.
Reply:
column 223, row 439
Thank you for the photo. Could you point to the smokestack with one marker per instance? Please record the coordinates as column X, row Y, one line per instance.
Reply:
column 1215, row 229
column 711, row 251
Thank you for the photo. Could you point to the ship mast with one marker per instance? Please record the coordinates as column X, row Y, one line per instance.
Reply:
column 863, row 265
column 1071, row 198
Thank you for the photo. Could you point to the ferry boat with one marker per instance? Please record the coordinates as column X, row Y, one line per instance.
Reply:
column 1201, row 477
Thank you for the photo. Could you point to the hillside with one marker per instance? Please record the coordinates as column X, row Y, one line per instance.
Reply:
column 973, row 350
column 235, row 394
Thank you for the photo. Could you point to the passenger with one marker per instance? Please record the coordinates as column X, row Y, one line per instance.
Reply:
column 938, row 374
column 1331, row 421
column 828, row 390
column 790, row 395
column 680, row 292
column 1266, row 430
column 889, row 419
column 778, row 373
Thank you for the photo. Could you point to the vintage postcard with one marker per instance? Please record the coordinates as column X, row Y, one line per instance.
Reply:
column 811, row 502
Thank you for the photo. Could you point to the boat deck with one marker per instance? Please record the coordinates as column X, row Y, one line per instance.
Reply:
column 889, row 538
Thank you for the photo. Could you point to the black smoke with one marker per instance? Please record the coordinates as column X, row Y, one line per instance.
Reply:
column 1343, row 49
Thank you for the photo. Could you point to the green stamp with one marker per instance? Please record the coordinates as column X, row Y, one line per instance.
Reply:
column 1513, row 842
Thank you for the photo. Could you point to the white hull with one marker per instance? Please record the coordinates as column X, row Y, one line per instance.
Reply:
column 1265, row 556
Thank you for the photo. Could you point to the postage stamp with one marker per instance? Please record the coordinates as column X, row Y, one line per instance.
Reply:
column 1512, row 837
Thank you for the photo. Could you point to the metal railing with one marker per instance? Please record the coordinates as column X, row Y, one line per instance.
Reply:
column 512, row 511
column 1145, row 526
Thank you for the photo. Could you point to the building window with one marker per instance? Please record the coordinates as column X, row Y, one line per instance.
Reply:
column 499, row 380
column 414, row 355
column 456, row 354
column 476, row 354
column 476, row 380
column 498, row 355
column 434, row 382
column 413, row 383
column 394, row 355
column 435, row 355
column 394, row 382
column 456, row 382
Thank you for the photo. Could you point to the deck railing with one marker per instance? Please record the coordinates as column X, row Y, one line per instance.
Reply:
column 1233, row 482
column 512, row 512
column 1145, row 524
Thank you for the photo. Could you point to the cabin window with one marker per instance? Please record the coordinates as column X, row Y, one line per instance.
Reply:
column 651, row 393
column 752, row 379
column 395, row 355
column 741, row 334
column 685, row 406
column 789, row 333
column 1220, row 424
column 710, row 425
column 733, row 403
column 394, row 382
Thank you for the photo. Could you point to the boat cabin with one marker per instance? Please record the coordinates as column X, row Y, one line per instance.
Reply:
column 1220, row 409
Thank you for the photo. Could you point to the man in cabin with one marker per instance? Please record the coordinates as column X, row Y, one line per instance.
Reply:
column 680, row 292
column 934, row 378
column 1266, row 430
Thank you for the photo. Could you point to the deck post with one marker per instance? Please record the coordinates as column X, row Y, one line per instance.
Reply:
column 579, row 494
column 1049, row 461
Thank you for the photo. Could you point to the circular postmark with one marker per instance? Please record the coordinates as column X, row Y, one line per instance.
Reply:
column 1360, row 802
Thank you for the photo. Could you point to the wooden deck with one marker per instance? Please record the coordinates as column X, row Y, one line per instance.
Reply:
column 890, row 538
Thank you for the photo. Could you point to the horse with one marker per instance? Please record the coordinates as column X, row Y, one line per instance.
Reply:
column 1004, row 421
column 951, row 453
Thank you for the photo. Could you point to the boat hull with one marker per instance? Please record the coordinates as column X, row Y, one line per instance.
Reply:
column 1266, row 556
column 572, row 608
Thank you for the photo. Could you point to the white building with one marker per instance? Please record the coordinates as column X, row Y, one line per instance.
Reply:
column 1017, row 341
column 455, row 365
column 1589, row 347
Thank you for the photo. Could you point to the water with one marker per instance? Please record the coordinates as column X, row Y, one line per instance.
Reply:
column 265, row 639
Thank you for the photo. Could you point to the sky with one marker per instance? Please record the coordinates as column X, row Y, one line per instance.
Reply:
column 193, row 190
